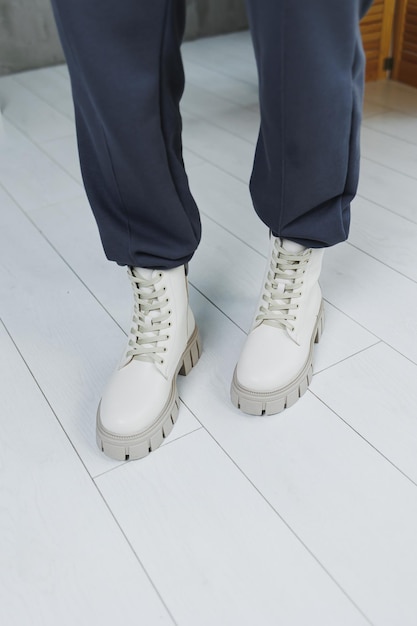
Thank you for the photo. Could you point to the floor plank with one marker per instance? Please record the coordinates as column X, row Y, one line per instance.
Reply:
column 392, row 190
column 399, row 155
column 28, row 174
column 34, row 117
column 396, row 125
column 64, row 559
column 360, row 286
column 385, row 236
column 344, row 500
column 393, row 95
column 51, row 86
column 195, row 520
column 378, row 402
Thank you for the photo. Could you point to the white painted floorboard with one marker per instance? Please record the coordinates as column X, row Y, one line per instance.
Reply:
column 64, row 558
column 307, row 517
column 234, row 561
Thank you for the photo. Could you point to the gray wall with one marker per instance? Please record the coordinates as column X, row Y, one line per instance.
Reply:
column 212, row 17
column 28, row 36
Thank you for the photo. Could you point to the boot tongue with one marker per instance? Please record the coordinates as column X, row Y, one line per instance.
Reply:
column 143, row 272
column 146, row 273
column 282, row 287
column 292, row 246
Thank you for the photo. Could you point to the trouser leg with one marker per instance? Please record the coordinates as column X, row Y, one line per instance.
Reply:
column 310, row 64
column 127, row 80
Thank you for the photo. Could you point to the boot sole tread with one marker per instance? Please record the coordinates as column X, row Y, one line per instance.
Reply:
column 270, row 403
column 139, row 445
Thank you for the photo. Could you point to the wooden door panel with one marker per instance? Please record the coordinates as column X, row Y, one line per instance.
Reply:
column 405, row 43
column 376, row 29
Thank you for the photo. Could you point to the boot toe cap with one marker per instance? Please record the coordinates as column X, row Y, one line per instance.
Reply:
column 132, row 402
column 270, row 360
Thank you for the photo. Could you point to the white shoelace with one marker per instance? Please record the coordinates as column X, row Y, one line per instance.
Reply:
column 150, row 318
column 283, row 285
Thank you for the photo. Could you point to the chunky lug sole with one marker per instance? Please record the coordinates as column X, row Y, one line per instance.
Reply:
column 139, row 445
column 272, row 402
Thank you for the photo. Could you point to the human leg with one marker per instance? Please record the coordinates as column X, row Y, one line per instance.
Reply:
column 127, row 79
column 310, row 63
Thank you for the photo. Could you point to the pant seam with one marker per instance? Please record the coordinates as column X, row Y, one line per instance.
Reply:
column 119, row 193
column 282, row 99
column 164, row 137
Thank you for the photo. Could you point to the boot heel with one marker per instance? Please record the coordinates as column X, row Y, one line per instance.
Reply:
column 191, row 354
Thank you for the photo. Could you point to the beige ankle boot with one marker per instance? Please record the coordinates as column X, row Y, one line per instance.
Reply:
column 275, row 366
column 140, row 403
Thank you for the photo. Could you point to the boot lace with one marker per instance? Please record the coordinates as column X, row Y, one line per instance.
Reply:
column 150, row 318
column 282, row 288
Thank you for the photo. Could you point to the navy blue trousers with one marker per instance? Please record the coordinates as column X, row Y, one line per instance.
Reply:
column 127, row 81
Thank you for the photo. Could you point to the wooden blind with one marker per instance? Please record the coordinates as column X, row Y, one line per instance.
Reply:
column 405, row 51
column 376, row 29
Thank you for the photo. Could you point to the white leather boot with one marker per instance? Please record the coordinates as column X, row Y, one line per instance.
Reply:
column 275, row 366
column 140, row 404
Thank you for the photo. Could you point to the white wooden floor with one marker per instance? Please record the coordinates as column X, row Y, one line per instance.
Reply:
column 305, row 518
